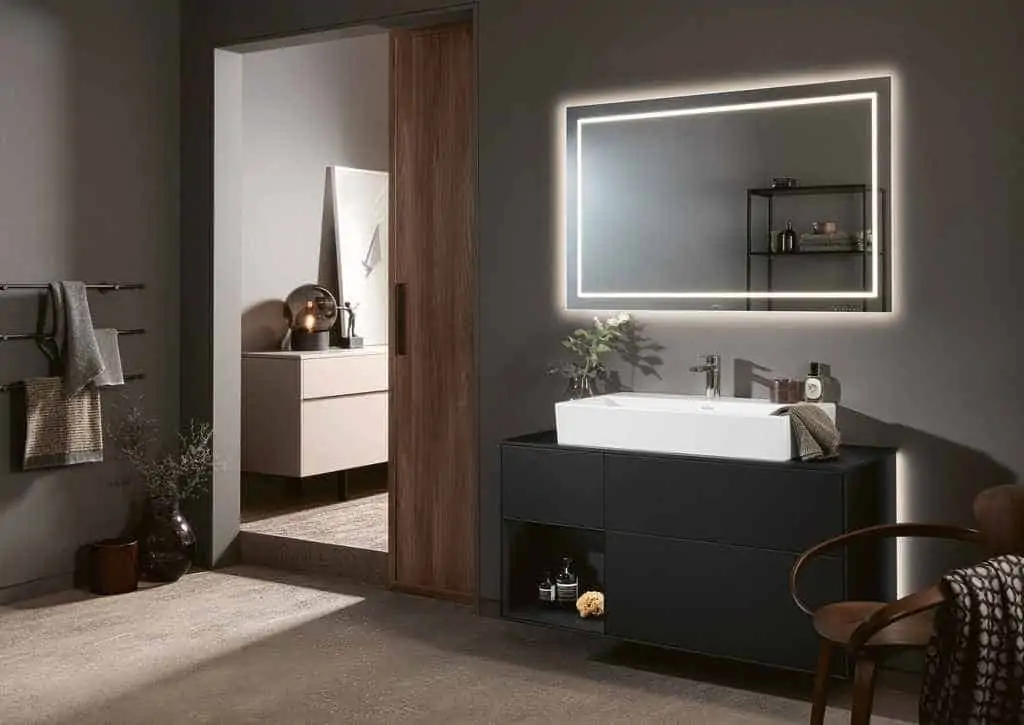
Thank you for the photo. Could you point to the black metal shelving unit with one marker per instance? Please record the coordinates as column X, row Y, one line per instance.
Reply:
column 771, row 194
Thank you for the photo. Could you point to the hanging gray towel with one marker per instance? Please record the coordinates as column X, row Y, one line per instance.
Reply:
column 73, row 351
column 110, row 353
column 815, row 434
column 61, row 430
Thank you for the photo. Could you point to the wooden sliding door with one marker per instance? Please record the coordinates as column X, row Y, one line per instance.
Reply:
column 433, row 279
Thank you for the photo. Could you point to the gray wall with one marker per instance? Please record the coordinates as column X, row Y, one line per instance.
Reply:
column 938, row 376
column 88, row 190
column 304, row 108
column 906, row 376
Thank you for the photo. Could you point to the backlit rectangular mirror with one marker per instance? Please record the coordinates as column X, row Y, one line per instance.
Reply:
column 767, row 199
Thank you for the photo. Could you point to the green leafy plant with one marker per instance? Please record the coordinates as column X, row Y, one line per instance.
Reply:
column 619, row 335
column 591, row 345
column 166, row 476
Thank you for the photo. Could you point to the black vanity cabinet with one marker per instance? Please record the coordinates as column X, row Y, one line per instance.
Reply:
column 692, row 553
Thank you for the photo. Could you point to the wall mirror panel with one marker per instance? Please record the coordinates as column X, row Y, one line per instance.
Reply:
column 761, row 200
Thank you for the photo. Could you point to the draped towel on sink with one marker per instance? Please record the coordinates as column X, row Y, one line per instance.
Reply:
column 814, row 432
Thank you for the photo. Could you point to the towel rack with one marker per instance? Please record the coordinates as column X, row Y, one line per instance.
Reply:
column 10, row 337
column 98, row 286
column 102, row 287
column 127, row 378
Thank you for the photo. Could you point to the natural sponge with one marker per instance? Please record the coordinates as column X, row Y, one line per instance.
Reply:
column 590, row 604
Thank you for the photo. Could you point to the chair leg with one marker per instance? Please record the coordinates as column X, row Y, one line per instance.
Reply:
column 821, row 683
column 863, row 691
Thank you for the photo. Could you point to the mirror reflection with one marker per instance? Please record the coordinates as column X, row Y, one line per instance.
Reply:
column 772, row 199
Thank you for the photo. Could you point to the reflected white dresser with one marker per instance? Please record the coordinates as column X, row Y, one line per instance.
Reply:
column 308, row 413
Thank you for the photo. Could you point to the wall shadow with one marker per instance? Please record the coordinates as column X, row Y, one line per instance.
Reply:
column 264, row 326
column 937, row 482
column 329, row 266
column 746, row 374
column 641, row 354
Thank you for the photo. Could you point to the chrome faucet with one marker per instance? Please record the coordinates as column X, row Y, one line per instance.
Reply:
column 712, row 369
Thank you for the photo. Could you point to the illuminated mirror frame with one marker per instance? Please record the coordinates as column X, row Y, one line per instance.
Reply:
column 875, row 90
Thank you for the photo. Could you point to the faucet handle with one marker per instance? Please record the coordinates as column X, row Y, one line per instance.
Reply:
column 711, row 357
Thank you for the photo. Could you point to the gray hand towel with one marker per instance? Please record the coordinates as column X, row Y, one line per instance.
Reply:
column 74, row 349
column 816, row 436
column 110, row 352
column 61, row 430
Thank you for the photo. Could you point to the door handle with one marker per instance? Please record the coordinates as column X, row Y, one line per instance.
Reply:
column 401, row 344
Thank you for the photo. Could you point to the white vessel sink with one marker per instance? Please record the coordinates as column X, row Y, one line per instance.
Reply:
column 681, row 424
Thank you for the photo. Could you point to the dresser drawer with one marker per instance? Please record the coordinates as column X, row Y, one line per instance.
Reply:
column 329, row 377
column 552, row 487
column 343, row 433
column 772, row 507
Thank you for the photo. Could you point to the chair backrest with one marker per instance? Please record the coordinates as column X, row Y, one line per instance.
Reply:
column 999, row 513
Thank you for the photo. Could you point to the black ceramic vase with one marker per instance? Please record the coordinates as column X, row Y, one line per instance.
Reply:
column 166, row 542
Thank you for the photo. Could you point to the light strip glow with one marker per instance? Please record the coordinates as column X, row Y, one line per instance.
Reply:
column 876, row 233
column 675, row 113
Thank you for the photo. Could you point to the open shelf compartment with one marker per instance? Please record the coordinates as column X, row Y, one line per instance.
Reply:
column 529, row 551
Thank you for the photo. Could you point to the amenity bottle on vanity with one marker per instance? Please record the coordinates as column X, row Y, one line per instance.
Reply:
column 546, row 593
column 814, row 388
column 567, row 584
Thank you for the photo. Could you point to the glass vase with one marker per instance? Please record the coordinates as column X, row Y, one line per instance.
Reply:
column 167, row 542
column 580, row 386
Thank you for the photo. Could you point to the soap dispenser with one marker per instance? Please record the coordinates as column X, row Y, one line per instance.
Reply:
column 814, row 388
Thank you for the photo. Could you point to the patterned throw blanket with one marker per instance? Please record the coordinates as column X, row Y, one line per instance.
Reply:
column 974, row 668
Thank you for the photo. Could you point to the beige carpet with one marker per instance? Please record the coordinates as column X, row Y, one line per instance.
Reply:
column 361, row 523
column 249, row 645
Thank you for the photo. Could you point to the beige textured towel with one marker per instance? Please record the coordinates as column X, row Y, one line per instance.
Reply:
column 816, row 436
column 61, row 430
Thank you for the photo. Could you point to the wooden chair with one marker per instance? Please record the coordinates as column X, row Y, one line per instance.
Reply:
column 870, row 631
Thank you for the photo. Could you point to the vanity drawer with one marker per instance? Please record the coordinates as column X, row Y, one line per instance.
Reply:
column 714, row 599
column 750, row 505
column 552, row 487
column 329, row 377
column 343, row 433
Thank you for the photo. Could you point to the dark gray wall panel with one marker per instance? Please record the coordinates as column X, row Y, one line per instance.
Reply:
column 88, row 190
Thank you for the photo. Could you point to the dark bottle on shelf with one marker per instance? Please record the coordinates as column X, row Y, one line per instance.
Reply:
column 567, row 584
column 546, row 593
column 787, row 238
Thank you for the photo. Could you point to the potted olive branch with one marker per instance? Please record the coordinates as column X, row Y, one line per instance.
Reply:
column 167, row 477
